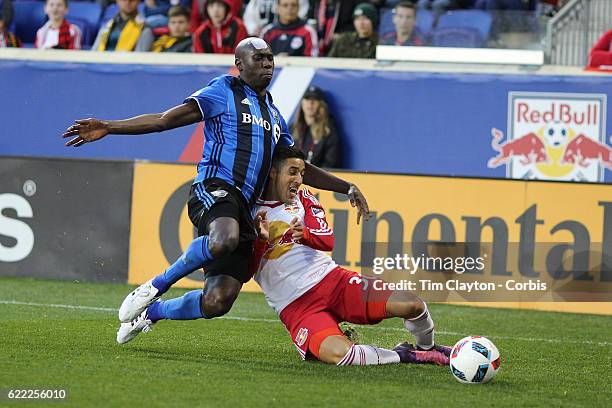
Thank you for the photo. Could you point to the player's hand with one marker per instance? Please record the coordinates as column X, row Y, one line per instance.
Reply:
column 358, row 200
column 262, row 225
column 84, row 131
column 297, row 229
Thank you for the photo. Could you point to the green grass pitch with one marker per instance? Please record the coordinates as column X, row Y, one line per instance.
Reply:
column 248, row 360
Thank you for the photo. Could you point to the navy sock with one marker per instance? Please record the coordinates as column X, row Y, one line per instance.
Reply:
column 195, row 257
column 186, row 307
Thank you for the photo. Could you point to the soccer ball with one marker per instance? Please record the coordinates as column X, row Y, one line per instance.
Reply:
column 474, row 360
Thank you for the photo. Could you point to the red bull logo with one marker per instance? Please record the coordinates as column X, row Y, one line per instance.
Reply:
column 554, row 137
column 281, row 237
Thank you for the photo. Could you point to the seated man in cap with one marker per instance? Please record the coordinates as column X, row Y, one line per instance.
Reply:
column 361, row 43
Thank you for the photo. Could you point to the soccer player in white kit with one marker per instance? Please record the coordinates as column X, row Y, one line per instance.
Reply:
column 311, row 293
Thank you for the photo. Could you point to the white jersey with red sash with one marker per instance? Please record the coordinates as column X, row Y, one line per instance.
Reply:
column 288, row 269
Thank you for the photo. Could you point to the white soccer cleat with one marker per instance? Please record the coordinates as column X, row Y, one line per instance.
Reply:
column 137, row 301
column 127, row 331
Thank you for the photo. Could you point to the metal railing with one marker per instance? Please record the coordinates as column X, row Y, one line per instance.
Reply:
column 574, row 30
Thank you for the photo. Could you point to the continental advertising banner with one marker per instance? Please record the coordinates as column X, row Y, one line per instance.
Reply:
column 65, row 219
column 548, row 244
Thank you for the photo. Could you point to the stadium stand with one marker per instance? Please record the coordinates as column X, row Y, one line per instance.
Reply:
column 29, row 17
column 87, row 16
column 463, row 28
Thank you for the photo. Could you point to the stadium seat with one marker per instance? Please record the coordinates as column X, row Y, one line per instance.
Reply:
column 462, row 28
column 89, row 12
column 85, row 29
column 87, row 17
column 109, row 13
column 29, row 17
column 424, row 22
column 457, row 37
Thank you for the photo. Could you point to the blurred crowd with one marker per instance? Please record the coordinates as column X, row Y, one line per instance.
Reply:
column 333, row 28
column 308, row 28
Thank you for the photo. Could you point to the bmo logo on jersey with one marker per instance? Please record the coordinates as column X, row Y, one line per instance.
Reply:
column 15, row 229
column 252, row 119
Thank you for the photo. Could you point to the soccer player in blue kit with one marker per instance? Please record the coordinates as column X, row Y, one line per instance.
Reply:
column 242, row 128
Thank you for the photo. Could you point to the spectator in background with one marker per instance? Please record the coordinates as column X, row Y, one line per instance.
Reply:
column 406, row 32
column 314, row 131
column 7, row 39
column 6, row 13
column 221, row 32
column 58, row 32
column 260, row 13
column 156, row 13
column 178, row 38
column 601, row 53
column 122, row 32
column 198, row 12
column 361, row 43
column 290, row 35
column 332, row 18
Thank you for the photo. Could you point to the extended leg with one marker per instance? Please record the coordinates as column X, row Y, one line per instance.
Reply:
column 417, row 320
column 340, row 351
column 215, row 300
column 221, row 241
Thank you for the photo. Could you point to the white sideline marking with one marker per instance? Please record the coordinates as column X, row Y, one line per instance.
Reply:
column 97, row 309
column 251, row 319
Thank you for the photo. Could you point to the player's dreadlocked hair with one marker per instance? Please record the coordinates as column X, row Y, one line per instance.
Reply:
column 282, row 153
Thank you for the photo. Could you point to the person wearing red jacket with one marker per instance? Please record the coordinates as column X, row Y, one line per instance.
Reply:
column 198, row 12
column 221, row 32
column 601, row 53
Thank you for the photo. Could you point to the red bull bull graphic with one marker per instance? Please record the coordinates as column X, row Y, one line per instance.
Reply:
column 554, row 137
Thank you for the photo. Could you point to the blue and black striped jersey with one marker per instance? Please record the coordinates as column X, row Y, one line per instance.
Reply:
column 241, row 131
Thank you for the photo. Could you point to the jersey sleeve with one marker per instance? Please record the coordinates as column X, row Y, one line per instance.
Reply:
column 212, row 100
column 259, row 249
column 317, row 232
column 285, row 138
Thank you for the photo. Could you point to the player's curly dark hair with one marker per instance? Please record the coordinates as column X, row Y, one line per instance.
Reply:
column 282, row 153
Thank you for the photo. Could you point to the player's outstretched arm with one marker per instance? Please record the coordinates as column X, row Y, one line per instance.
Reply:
column 324, row 180
column 90, row 130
